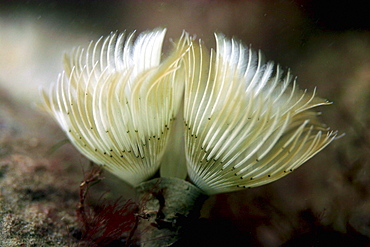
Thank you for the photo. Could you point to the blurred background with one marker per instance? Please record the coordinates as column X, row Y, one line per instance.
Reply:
column 325, row 44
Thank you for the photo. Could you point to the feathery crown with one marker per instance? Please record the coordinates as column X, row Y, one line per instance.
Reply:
column 245, row 125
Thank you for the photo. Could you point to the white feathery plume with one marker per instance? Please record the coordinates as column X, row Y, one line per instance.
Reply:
column 246, row 125
column 116, row 101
